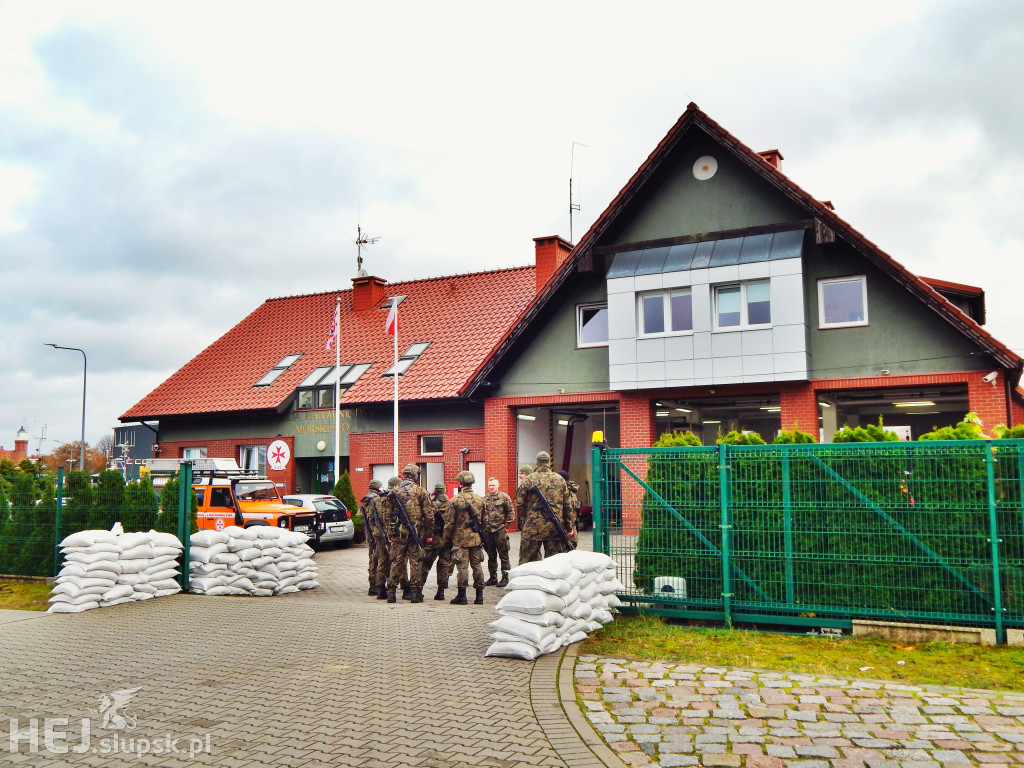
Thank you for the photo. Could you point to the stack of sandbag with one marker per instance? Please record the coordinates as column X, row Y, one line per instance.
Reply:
column 104, row 568
column 260, row 561
column 554, row 602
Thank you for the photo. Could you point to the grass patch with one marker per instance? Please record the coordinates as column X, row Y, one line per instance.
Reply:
column 24, row 595
column 957, row 664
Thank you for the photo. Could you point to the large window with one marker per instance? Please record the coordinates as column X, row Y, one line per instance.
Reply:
column 843, row 302
column 431, row 445
column 253, row 458
column 193, row 453
column 317, row 389
column 592, row 325
column 271, row 376
column 743, row 305
column 666, row 312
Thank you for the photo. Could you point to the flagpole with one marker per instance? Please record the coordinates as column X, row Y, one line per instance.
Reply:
column 395, row 369
column 337, row 390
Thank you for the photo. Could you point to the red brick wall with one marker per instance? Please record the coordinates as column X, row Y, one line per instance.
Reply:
column 550, row 253
column 799, row 407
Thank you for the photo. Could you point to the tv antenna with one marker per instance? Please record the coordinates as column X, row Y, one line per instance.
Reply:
column 573, row 207
column 361, row 241
column 40, row 438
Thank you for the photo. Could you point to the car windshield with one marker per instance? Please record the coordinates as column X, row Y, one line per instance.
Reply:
column 255, row 490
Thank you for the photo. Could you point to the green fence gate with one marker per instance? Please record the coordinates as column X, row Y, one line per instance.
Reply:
column 818, row 535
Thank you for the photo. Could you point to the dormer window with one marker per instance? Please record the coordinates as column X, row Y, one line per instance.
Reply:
column 317, row 389
column 410, row 356
column 272, row 375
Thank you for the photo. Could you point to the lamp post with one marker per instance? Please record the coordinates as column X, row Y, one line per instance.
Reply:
column 85, row 368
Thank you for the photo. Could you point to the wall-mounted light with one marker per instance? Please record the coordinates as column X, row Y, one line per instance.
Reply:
column 683, row 410
column 563, row 422
column 661, row 413
column 771, row 408
column 525, row 417
column 823, row 404
column 913, row 403
column 712, row 421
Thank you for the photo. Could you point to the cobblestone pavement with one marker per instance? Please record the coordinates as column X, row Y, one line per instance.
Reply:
column 661, row 714
column 324, row 677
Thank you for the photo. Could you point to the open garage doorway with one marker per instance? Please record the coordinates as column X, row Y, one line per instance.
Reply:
column 907, row 411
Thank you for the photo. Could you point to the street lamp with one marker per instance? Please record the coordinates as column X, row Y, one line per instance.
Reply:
column 85, row 368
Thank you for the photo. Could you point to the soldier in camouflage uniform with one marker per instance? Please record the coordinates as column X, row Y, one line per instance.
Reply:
column 439, row 549
column 525, row 470
column 538, row 531
column 467, row 546
column 498, row 516
column 404, row 552
column 574, row 502
column 373, row 511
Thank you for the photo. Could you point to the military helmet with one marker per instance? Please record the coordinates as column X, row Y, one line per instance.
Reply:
column 439, row 486
column 376, row 485
column 411, row 470
column 543, row 458
column 394, row 482
column 564, row 474
column 465, row 477
column 526, row 469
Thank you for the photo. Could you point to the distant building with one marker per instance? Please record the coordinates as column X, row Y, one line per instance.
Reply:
column 20, row 447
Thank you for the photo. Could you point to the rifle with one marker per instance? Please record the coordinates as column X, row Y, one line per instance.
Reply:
column 376, row 522
column 403, row 516
column 550, row 516
column 473, row 522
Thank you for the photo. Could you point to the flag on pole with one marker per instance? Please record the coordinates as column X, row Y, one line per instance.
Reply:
column 332, row 334
column 391, row 324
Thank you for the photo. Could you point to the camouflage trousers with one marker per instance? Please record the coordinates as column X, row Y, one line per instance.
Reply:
column 466, row 558
column 496, row 547
column 406, row 564
column 379, row 567
column 529, row 549
column 445, row 564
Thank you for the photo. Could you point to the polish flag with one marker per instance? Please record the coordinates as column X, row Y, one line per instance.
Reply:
column 332, row 334
column 391, row 324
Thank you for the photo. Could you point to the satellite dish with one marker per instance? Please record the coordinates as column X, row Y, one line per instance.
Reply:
column 705, row 167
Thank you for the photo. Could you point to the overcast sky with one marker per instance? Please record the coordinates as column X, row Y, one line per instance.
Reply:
column 165, row 167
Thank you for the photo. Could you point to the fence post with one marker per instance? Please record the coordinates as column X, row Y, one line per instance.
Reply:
column 185, row 519
column 596, row 501
column 59, row 504
column 726, row 526
column 993, row 538
column 787, row 521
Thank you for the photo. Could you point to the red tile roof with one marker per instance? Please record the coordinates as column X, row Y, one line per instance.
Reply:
column 464, row 316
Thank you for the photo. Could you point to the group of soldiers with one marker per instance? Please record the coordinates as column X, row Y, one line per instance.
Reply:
column 409, row 529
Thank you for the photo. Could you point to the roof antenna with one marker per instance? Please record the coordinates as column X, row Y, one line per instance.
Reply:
column 572, row 206
column 362, row 240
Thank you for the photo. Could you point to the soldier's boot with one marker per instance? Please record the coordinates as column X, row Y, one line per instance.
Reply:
column 391, row 595
column 382, row 592
column 440, row 594
column 493, row 581
column 407, row 593
column 417, row 595
column 372, row 592
column 479, row 596
column 504, row 579
column 460, row 598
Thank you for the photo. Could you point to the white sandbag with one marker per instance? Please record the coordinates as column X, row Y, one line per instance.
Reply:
column 205, row 583
column 133, row 566
column 162, row 539
column 554, row 567
column 612, row 602
column 72, row 608
column 241, row 582
column 513, row 650
column 131, row 540
column 286, row 590
column 308, row 584
column 91, row 557
column 163, row 561
column 603, row 616
column 264, row 584
column 261, row 562
column 203, row 554
column 535, row 633
column 88, row 538
column 145, row 589
column 274, row 552
column 117, row 591
column 575, row 637
column 86, row 581
column 586, row 561
column 166, row 573
column 546, row 619
column 142, row 595
column 174, row 552
column 225, row 558
column 249, row 553
column 259, row 592
column 287, row 566
column 269, row 532
column 611, row 587
column 163, row 584
column 166, row 592
column 99, row 546
column 72, row 590
column 130, row 578
column 593, row 626
column 207, row 538
column 244, row 534
column 75, row 599
column 588, row 592
column 551, row 586
column 530, row 601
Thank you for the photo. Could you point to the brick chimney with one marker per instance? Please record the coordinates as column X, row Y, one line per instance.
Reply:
column 550, row 253
column 773, row 157
column 367, row 292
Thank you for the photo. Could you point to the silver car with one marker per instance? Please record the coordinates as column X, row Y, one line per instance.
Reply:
column 335, row 523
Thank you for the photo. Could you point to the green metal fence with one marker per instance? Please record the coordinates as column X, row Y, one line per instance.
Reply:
column 38, row 512
column 818, row 535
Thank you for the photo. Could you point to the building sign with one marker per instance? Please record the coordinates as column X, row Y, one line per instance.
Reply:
column 278, row 455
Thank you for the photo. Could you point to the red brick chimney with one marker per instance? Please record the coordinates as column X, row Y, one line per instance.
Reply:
column 773, row 157
column 367, row 292
column 550, row 253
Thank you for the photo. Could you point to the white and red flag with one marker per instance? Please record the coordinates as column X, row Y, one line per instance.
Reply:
column 391, row 324
column 332, row 334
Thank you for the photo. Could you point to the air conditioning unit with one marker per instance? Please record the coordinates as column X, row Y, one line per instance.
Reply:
column 672, row 587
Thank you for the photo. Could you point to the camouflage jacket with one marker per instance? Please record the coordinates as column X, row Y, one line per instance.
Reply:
column 498, row 512
column 574, row 504
column 536, row 527
column 417, row 505
column 440, row 503
column 457, row 530
column 373, row 503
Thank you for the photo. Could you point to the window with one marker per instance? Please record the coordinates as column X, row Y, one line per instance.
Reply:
column 666, row 312
column 271, row 376
column 317, row 389
column 253, row 458
column 431, row 445
column 193, row 453
column 746, row 304
column 592, row 325
column 843, row 302
column 410, row 356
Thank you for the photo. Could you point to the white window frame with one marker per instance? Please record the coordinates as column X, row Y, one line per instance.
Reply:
column 863, row 280
column 580, row 309
column 431, row 453
column 193, row 452
column 666, row 312
column 407, row 358
column 246, row 454
column 744, row 323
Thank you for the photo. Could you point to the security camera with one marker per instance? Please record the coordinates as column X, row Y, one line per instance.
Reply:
column 990, row 377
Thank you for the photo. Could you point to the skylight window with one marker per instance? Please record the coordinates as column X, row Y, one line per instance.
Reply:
column 272, row 375
column 317, row 389
column 410, row 356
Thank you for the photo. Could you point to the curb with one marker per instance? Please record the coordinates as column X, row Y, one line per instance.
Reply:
column 553, row 697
